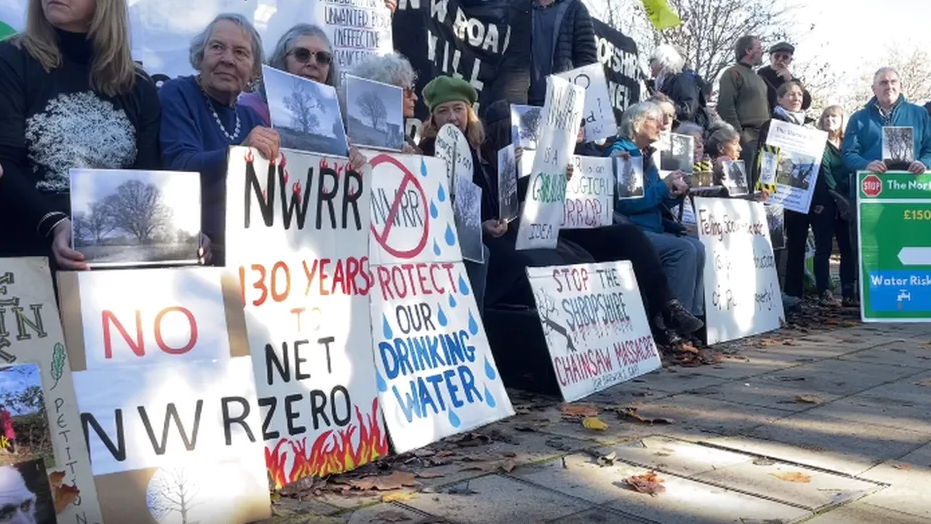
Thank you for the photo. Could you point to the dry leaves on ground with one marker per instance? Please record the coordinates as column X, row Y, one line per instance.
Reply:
column 809, row 399
column 491, row 466
column 401, row 496
column 594, row 424
column 903, row 467
column 793, row 476
column 396, row 480
column 579, row 410
column 428, row 475
column 631, row 413
column 926, row 383
column 648, row 483
column 391, row 516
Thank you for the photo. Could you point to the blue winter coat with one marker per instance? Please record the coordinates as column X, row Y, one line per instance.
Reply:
column 863, row 139
column 645, row 212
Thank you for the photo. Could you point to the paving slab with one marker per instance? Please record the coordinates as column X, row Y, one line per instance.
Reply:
column 601, row 516
column 675, row 456
column 908, row 489
column 905, row 392
column 385, row 513
column 766, row 391
column 910, row 353
column 682, row 379
column 862, row 409
column 863, row 513
column 920, row 457
column 738, row 367
column 840, row 377
column 696, row 413
column 497, row 499
column 552, row 422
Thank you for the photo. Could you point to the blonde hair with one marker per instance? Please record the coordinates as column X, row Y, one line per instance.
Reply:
column 834, row 110
column 475, row 131
column 113, row 71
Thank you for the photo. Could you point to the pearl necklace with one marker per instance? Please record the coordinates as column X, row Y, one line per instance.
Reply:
column 232, row 138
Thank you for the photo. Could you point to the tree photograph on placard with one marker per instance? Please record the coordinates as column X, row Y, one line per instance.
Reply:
column 768, row 166
column 629, row 177
column 305, row 113
column 190, row 493
column 679, row 153
column 26, row 494
column 122, row 217
column 374, row 114
column 775, row 218
column 525, row 126
column 795, row 169
column 508, row 205
column 467, row 212
column 735, row 178
column 898, row 147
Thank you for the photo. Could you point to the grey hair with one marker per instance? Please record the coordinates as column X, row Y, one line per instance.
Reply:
column 391, row 69
column 635, row 115
column 720, row 135
column 199, row 42
column 743, row 45
column 286, row 42
column 690, row 128
column 884, row 70
column 669, row 59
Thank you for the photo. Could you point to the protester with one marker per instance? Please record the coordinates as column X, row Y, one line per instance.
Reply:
column 742, row 98
column 395, row 70
column 584, row 147
column 862, row 146
column 563, row 39
column 201, row 119
column 668, row 123
column 833, row 185
column 450, row 101
column 70, row 97
column 723, row 146
column 777, row 73
column 684, row 88
column 683, row 256
column 304, row 50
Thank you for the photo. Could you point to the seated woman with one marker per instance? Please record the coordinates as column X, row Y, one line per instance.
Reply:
column 395, row 70
column 723, row 145
column 201, row 120
column 70, row 97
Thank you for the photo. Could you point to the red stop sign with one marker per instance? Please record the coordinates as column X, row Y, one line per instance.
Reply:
column 872, row 186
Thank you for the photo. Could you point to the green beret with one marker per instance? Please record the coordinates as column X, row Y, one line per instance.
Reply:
column 444, row 89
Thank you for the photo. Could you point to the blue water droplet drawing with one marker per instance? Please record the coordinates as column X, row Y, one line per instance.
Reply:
column 423, row 168
column 434, row 212
column 489, row 370
column 450, row 235
column 441, row 316
column 463, row 286
column 380, row 382
column 454, row 419
column 436, row 248
column 473, row 325
column 489, row 399
column 386, row 328
column 452, row 301
column 441, row 194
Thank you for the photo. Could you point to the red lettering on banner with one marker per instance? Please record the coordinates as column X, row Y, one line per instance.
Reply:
column 632, row 352
column 276, row 283
column 401, row 281
column 587, row 365
column 192, row 341
column 137, row 345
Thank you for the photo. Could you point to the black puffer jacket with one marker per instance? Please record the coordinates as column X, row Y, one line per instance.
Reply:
column 575, row 40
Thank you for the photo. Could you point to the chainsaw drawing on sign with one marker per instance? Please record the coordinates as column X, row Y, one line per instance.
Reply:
column 546, row 306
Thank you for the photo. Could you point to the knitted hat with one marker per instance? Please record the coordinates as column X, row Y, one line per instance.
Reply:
column 444, row 89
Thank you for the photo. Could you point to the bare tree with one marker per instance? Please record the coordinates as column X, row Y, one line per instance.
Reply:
column 138, row 209
column 173, row 491
column 373, row 108
column 303, row 106
column 96, row 224
column 530, row 124
column 914, row 67
column 899, row 143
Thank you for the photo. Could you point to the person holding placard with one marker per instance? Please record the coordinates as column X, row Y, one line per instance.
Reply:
column 70, row 97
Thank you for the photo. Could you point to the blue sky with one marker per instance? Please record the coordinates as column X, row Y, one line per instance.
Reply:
column 14, row 379
column 392, row 96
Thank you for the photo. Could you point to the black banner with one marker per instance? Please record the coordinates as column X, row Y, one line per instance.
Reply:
column 618, row 54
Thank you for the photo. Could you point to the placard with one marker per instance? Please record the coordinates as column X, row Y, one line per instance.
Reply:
column 453, row 148
column 435, row 372
column 590, row 194
column 595, row 326
column 297, row 233
column 163, row 378
column 798, row 151
column 526, row 122
column 545, row 202
column 894, row 232
column 33, row 336
column 741, row 284
column 508, row 205
column 374, row 114
column 599, row 113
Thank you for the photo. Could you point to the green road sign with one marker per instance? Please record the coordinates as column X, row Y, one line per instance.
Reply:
column 5, row 30
column 894, row 221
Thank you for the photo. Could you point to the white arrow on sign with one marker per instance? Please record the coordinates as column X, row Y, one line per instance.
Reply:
column 915, row 256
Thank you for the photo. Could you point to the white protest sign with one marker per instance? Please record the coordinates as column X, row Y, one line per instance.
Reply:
column 297, row 233
column 741, row 284
column 595, row 326
column 435, row 372
column 453, row 148
column 546, row 192
column 799, row 160
column 599, row 113
column 32, row 333
column 590, row 194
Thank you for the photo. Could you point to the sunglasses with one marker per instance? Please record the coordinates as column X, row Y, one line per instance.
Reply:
column 783, row 57
column 303, row 55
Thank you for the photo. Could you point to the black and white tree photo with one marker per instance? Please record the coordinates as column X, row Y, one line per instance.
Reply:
column 525, row 124
column 898, row 147
column 678, row 155
column 735, row 178
column 374, row 114
column 467, row 211
column 172, row 495
column 775, row 218
column 629, row 177
column 508, row 205
column 305, row 113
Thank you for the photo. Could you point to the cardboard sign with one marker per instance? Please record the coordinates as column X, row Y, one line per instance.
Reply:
column 32, row 336
column 741, row 284
column 599, row 113
column 590, row 194
column 297, row 233
column 163, row 379
column 545, row 202
column 798, row 153
column 453, row 148
column 595, row 326
column 435, row 372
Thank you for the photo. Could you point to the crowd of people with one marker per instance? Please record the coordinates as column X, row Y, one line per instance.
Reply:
column 72, row 97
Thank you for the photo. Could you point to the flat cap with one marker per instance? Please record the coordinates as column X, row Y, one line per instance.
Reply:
column 782, row 47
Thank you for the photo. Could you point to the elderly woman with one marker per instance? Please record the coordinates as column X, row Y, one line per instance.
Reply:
column 684, row 88
column 70, row 97
column 683, row 256
column 669, row 111
column 201, row 120
column 723, row 145
column 395, row 70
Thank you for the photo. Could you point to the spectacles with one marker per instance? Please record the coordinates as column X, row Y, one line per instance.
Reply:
column 303, row 55
column 409, row 92
column 783, row 57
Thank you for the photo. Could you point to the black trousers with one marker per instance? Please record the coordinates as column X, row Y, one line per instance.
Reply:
column 826, row 226
column 796, row 237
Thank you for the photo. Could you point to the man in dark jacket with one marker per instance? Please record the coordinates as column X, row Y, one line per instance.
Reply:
column 777, row 73
column 563, row 39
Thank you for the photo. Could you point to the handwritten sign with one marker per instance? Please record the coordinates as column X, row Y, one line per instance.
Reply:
column 546, row 193
column 164, row 410
column 435, row 372
column 798, row 151
column 741, row 284
column 590, row 194
column 453, row 148
column 32, row 333
column 298, row 233
column 595, row 326
column 599, row 114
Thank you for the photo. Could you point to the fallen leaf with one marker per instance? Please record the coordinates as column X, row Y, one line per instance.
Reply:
column 809, row 399
column 397, row 497
column 594, row 424
column 391, row 516
column 926, row 383
column 607, row 460
column 64, row 495
column 491, row 466
column 903, row 467
column 647, row 483
column 428, row 475
column 793, row 476
column 579, row 410
column 396, row 480
column 508, row 465
column 55, row 478
column 275, row 497
column 688, row 348
column 509, row 454
column 763, row 462
column 766, row 342
column 632, row 414
column 788, row 342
